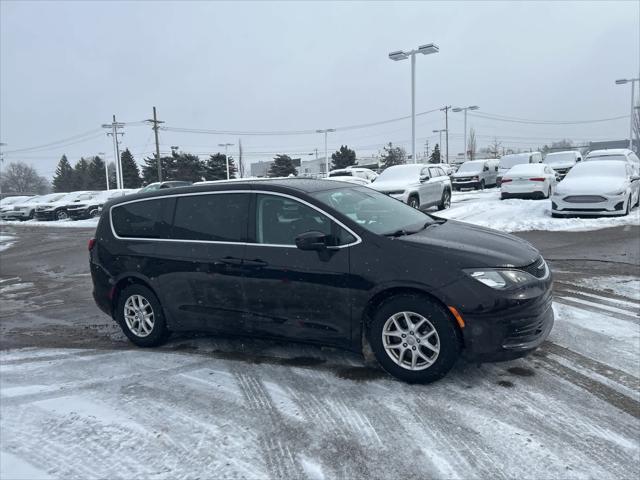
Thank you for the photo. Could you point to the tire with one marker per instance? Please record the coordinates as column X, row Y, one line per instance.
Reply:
column 94, row 213
column 418, row 308
column 502, row 196
column 548, row 193
column 131, row 298
column 445, row 202
column 482, row 185
column 556, row 215
column 628, row 209
column 414, row 201
column 62, row 215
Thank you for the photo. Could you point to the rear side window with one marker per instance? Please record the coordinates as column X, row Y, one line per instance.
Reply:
column 221, row 217
column 139, row 219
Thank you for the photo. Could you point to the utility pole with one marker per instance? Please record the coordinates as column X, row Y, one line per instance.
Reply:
column 156, row 126
column 115, row 127
column 1, row 162
column 445, row 109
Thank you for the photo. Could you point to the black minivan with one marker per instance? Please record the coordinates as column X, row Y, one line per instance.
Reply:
column 324, row 262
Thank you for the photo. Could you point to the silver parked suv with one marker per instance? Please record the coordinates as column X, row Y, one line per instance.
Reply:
column 476, row 174
column 418, row 185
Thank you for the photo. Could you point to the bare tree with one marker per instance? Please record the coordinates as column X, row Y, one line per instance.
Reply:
column 18, row 177
column 494, row 148
column 471, row 146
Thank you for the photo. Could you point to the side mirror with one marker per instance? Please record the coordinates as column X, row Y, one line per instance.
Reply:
column 312, row 240
column 424, row 178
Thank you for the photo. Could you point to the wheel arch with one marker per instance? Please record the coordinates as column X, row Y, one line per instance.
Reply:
column 123, row 283
column 381, row 296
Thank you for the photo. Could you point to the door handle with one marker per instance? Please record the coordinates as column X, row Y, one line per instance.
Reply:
column 228, row 261
column 256, row 262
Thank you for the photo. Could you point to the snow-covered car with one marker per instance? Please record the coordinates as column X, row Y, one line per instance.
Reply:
column 92, row 207
column 598, row 187
column 168, row 184
column 418, row 185
column 57, row 210
column 476, row 174
column 513, row 159
column 7, row 203
column 448, row 169
column 562, row 162
column 354, row 180
column 26, row 209
column 357, row 172
column 616, row 154
column 529, row 180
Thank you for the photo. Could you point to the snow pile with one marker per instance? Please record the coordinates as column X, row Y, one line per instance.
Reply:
column 515, row 215
column 88, row 223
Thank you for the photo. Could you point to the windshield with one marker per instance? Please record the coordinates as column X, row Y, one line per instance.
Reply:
column 560, row 157
column 470, row 167
column 341, row 173
column 598, row 169
column 374, row 211
column 55, row 198
column 509, row 161
column 401, row 172
column 618, row 158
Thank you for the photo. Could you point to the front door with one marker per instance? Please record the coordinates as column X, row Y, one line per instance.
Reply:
column 290, row 292
column 199, row 264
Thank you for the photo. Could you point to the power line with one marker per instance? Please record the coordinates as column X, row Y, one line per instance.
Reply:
column 503, row 118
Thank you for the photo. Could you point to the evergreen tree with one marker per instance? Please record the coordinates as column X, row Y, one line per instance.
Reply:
column 345, row 157
column 63, row 178
column 216, row 167
column 282, row 167
column 111, row 168
column 95, row 174
column 393, row 156
column 186, row 166
column 130, row 171
column 150, row 169
column 81, row 175
column 435, row 155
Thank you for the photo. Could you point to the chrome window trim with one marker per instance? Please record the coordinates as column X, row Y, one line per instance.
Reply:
column 267, row 192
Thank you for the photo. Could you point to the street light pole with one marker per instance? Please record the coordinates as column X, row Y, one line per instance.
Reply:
column 458, row 109
column 633, row 81
column 226, row 157
column 401, row 55
column 326, row 151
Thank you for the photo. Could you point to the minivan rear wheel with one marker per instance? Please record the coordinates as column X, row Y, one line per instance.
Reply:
column 140, row 316
column 414, row 338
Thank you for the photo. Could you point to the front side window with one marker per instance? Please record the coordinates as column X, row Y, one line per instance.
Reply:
column 220, row 217
column 279, row 220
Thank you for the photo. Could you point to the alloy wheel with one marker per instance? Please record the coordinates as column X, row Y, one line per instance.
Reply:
column 447, row 199
column 410, row 340
column 138, row 315
column 62, row 215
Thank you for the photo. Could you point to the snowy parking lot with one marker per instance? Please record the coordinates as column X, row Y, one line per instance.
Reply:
column 78, row 401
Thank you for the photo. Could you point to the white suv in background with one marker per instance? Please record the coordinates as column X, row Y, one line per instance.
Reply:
column 357, row 172
column 418, row 185
column 619, row 154
column 562, row 162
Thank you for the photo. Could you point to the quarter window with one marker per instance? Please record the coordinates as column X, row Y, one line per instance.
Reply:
column 139, row 219
column 221, row 217
column 279, row 220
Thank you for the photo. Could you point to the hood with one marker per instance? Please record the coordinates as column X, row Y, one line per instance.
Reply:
column 467, row 174
column 586, row 185
column 471, row 246
column 556, row 165
column 390, row 185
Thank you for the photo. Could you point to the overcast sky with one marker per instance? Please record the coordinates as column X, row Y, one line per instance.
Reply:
column 66, row 67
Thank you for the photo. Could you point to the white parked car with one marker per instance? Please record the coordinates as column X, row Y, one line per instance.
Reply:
column 514, row 159
column 418, row 185
column 562, row 162
column 615, row 154
column 529, row 180
column 357, row 172
column 26, row 209
column 354, row 180
column 597, row 187
column 7, row 203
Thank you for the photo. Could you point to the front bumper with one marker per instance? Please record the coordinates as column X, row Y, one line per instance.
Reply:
column 45, row 215
column 465, row 183
column 503, row 325
column 79, row 213
column 608, row 205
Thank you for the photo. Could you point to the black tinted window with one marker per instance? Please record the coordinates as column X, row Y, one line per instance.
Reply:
column 215, row 217
column 280, row 220
column 139, row 219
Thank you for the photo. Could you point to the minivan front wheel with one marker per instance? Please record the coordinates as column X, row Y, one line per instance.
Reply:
column 414, row 339
column 140, row 316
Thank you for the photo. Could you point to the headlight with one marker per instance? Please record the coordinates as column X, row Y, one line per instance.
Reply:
column 617, row 194
column 395, row 192
column 500, row 279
